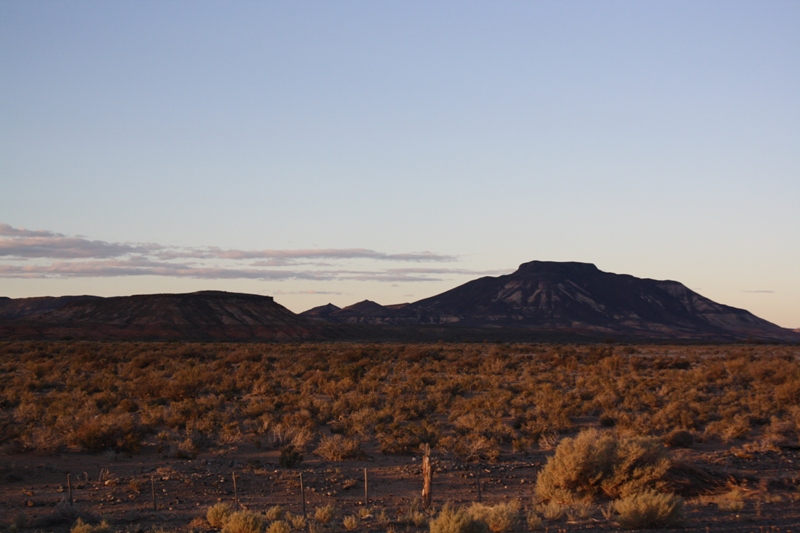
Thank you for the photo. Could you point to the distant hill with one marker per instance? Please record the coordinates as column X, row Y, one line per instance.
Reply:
column 206, row 315
column 323, row 311
column 574, row 298
column 27, row 307
column 364, row 312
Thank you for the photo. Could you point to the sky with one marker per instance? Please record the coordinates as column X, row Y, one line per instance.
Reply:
column 339, row 151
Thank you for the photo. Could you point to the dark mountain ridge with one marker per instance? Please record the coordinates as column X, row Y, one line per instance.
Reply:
column 574, row 297
column 205, row 315
column 25, row 307
column 541, row 301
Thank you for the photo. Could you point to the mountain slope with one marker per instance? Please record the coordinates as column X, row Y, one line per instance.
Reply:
column 323, row 311
column 579, row 298
column 540, row 301
column 206, row 315
column 26, row 307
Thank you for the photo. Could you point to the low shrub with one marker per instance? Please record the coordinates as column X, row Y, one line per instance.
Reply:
column 581, row 511
column 679, row 438
column 406, row 438
column 243, row 522
column 217, row 514
column 553, row 510
column 350, row 522
column 290, row 456
column 534, row 520
column 500, row 518
column 472, row 447
column 323, row 515
column 732, row 501
column 649, row 509
column 298, row 522
column 279, row 526
column 383, row 519
column 121, row 433
column 339, row 448
column 453, row 520
column 275, row 512
column 413, row 517
column 596, row 464
column 82, row 527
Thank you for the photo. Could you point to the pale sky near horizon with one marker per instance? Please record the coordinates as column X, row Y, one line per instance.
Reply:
column 336, row 151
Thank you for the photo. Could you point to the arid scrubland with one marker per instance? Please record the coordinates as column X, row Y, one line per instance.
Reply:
column 615, row 436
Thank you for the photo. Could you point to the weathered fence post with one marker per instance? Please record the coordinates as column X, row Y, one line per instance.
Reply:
column 153, row 492
column 366, row 488
column 69, row 489
column 235, row 492
column 303, row 494
column 427, row 473
column 478, row 482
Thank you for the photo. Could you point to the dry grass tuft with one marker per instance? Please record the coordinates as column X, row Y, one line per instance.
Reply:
column 500, row 518
column 339, row 448
column 279, row 526
column 350, row 522
column 453, row 520
column 324, row 515
column 82, row 527
column 649, row 509
column 275, row 512
column 243, row 522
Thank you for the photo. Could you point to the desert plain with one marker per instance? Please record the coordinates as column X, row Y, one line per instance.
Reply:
column 147, row 436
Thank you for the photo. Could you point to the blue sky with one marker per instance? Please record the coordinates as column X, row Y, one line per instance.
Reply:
column 336, row 151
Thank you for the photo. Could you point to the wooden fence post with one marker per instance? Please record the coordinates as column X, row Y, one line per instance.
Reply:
column 366, row 488
column 303, row 494
column 235, row 492
column 69, row 489
column 427, row 474
column 478, row 482
column 153, row 492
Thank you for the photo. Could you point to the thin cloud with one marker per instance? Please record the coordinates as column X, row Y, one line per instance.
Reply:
column 335, row 293
column 67, row 248
column 281, row 257
column 22, row 243
column 5, row 229
column 763, row 291
column 47, row 254
column 84, row 269
column 90, row 269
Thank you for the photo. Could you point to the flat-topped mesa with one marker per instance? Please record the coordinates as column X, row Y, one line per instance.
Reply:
column 203, row 315
column 577, row 298
column 561, row 268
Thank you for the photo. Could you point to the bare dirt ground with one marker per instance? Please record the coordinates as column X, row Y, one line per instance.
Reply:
column 33, row 489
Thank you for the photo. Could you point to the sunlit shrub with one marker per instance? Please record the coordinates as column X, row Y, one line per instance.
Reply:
column 649, row 509
column 217, row 514
column 454, row 520
column 595, row 464
column 243, row 522
column 338, row 448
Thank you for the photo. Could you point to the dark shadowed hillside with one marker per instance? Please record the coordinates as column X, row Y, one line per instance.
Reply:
column 541, row 301
column 206, row 315
column 26, row 307
column 577, row 298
